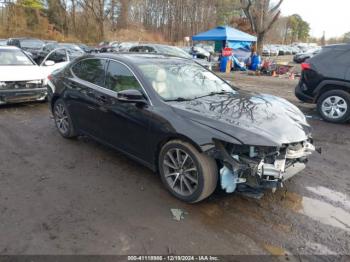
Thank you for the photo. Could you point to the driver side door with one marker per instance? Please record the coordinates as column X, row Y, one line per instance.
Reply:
column 126, row 125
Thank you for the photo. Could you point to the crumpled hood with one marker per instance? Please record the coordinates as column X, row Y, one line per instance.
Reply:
column 254, row 119
column 21, row 73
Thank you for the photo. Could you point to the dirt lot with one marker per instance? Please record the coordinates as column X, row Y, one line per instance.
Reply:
column 62, row 196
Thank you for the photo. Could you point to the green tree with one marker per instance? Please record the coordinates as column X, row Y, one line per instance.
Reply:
column 36, row 4
column 298, row 29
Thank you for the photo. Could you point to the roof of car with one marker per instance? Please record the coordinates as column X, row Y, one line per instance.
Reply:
column 152, row 44
column 132, row 55
column 138, row 57
column 24, row 38
column 343, row 46
column 9, row 47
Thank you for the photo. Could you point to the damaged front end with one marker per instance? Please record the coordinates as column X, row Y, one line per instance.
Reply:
column 260, row 167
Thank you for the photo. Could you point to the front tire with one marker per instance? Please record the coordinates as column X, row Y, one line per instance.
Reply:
column 189, row 175
column 63, row 120
column 334, row 106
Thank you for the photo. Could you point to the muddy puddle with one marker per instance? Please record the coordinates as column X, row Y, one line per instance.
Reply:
column 326, row 213
column 331, row 195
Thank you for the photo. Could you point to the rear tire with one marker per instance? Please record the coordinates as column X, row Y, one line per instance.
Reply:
column 189, row 175
column 63, row 120
column 334, row 106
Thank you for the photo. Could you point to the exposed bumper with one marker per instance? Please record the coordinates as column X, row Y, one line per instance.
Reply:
column 262, row 169
column 22, row 95
column 291, row 164
column 272, row 173
column 301, row 95
column 293, row 170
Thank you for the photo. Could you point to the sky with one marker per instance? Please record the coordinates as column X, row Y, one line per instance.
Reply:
column 331, row 16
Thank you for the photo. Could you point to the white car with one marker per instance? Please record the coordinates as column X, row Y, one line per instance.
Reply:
column 21, row 79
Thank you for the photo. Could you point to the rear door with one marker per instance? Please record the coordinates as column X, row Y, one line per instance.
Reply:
column 345, row 61
column 88, row 75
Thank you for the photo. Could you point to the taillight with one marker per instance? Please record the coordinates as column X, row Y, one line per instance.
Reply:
column 50, row 77
column 305, row 66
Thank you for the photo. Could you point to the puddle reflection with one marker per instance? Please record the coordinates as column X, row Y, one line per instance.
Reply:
column 331, row 195
column 326, row 213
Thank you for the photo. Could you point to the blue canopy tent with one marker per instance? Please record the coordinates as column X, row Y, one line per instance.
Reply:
column 235, row 39
column 224, row 33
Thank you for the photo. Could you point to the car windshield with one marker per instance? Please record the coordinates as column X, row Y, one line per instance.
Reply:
column 31, row 43
column 13, row 57
column 173, row 51
column 182, row 80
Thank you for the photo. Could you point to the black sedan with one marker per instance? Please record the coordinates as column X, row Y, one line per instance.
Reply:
column 182, row 121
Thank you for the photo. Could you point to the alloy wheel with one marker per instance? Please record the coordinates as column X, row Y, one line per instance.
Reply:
column 61, row 118
column 180, row 172
column 334, row 107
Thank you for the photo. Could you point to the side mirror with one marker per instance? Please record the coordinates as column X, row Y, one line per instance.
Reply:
column 131, row 96
column 49, row 63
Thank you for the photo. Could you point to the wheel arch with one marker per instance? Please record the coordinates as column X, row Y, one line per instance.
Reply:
column 169, row 138
column 53, row 100
column 330, row 85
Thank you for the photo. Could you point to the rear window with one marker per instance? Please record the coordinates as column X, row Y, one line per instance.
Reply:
column 32, row 43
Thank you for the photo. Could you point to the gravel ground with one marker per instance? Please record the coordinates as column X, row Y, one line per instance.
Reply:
column 61, row 196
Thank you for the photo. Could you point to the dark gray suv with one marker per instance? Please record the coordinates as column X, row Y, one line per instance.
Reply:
column 325, row 81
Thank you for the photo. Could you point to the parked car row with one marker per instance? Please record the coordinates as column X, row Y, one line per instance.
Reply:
column 46, row 56
column 199, row 54
column 303, row 56
column 280, row 50
column 21, row 78
column 38, row 49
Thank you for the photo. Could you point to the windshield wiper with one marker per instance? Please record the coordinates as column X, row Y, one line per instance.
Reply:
column 178, row 99
column 222, row 92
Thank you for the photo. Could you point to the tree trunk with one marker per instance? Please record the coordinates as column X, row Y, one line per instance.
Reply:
column 73, row 16
column 260, row 43
column 123, row 16
column 101, row 30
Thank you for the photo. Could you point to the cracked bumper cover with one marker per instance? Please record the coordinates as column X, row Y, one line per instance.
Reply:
column 22, row 95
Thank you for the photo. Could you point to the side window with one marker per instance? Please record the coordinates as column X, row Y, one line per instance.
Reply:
column 136, row 49
column 149, row 49
column 91, row 70
column 58, row 56
column 17, row 43
column 120, row 78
